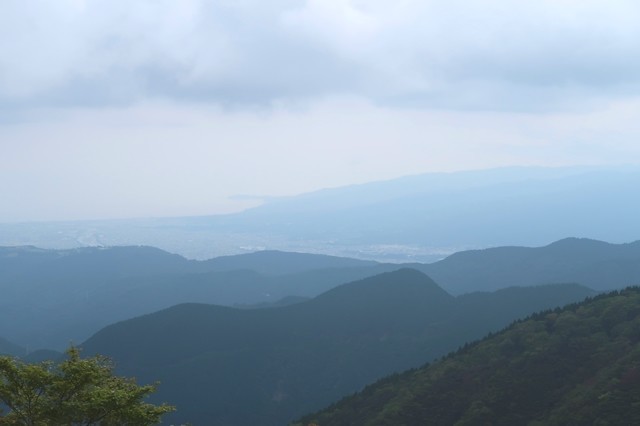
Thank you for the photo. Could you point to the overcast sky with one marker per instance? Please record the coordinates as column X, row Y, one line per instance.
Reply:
column 155, row 108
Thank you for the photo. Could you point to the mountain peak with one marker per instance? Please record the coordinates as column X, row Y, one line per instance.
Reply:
column 404, row 285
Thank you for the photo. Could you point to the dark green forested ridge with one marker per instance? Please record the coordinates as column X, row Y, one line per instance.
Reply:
column 45, row 292
column 214, row 362
column 579, row 365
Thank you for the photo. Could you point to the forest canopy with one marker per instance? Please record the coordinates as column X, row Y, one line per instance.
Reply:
column 78, row 391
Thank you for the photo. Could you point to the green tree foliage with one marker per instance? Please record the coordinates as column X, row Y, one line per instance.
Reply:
column 77, row 391
column 573, row 366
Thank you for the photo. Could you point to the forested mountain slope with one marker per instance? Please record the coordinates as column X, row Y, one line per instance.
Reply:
column 579, row 365
column 214, row 362
column 52, row 297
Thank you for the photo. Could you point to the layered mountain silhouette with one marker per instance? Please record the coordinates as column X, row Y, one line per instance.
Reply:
column 596, row 264
column 419, row 217
column 221, row 365
column 274, row 262
column 517, row 205
column 46, row 292
column 579, row 365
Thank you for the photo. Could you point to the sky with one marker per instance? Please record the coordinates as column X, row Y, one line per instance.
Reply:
column 115, row 109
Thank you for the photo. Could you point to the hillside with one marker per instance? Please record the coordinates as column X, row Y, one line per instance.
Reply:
column 273, row 262
column 595, row 264
column 44, row 292
column 573, row 366
column 215, row 361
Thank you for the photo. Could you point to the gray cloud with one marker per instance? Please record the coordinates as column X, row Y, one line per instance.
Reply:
column 492, row 54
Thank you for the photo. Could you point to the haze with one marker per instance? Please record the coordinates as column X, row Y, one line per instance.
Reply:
column 110, row 109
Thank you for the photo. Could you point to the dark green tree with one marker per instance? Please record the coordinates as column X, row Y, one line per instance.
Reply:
column 77, row 391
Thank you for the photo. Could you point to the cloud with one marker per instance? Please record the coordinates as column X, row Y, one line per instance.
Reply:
column 168, row 159
column 491, row 54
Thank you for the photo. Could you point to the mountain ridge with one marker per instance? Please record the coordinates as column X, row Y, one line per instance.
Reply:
column 285, row 361
column 574, row 365
column 41, row 304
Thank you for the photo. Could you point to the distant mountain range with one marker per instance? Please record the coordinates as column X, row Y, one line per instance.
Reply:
column 595, row 264
column 573, row 366
column 300, row 338
column 44, row 292
column 416, row 218
column 52, row 297
column 267, row 366
column 517, row 205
